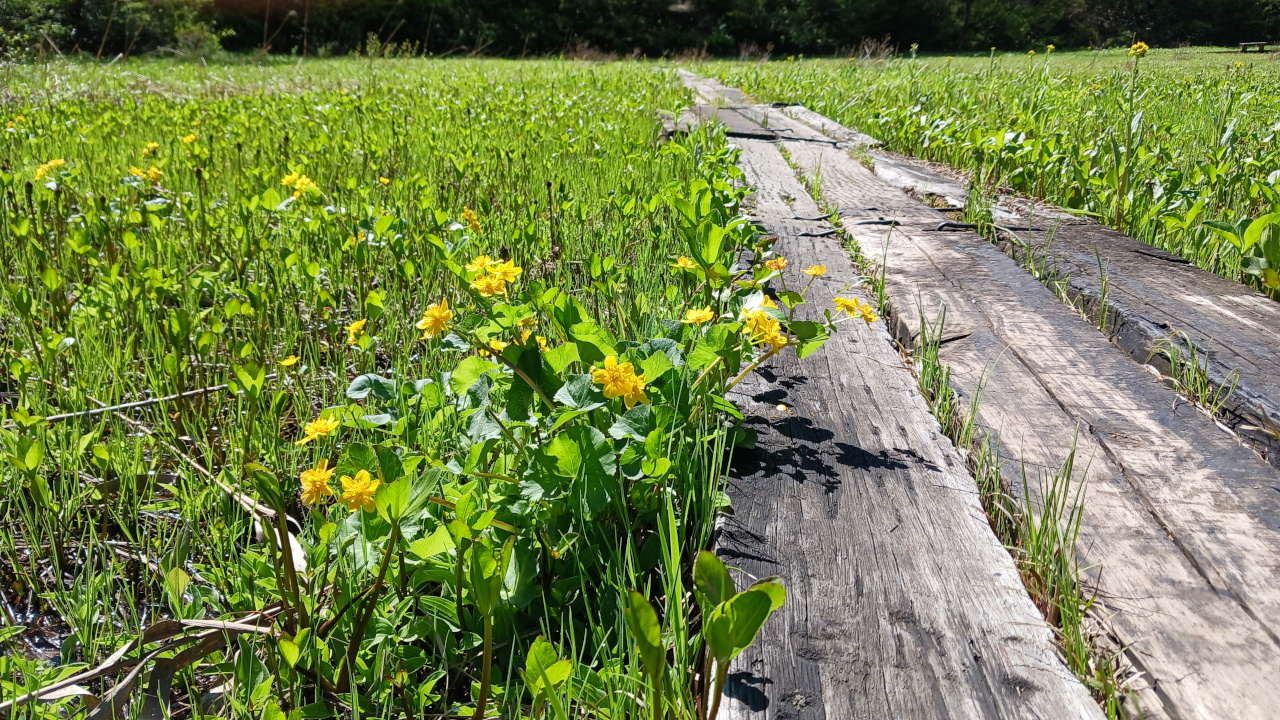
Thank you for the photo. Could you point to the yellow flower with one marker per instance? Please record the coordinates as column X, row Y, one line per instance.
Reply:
column 318, row 428
column 768, row 302
column 481, row 262
column 384, row 181
column 816, row 270
column 1031, row 52
column 358, row 492
column 189, row 139
column 289, row 361
column 698, row 316
column 497, row 345
column 136, row 172
column 353, row 329
column 635, row 393
column 435, row 319
column 472, row 221
column 855, row 307
column 1138, row 49
column 1050, row 48
column 289, row 179
column 620, row 380
column 542, row 342
column 507, row 270
column 758, row 323
column 684, row 263
column 776, row 339
column 40, row 171
column 315, row 483
column 489, row 285
column 154, row 174
column 776, row 264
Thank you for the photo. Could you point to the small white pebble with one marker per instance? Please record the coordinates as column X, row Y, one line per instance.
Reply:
column 782, row 408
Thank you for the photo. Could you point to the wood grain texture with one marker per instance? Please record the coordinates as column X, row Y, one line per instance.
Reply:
column 1151, row 295
column 901, row 601
column 1180, row 521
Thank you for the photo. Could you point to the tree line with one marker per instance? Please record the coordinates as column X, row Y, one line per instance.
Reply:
column 650, row 28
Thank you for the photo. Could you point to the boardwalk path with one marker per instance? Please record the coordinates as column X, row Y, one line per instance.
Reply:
column 1180, row 519
column 902, row 603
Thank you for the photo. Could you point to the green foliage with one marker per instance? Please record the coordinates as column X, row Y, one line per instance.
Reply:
column 1176, row 148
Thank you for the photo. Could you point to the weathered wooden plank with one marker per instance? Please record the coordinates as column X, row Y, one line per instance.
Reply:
column 1179, row 526
column 902, row 603
column 1150, row 295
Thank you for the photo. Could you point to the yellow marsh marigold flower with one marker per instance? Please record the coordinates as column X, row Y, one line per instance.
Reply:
column 154, row 174
column 508, row 271
column 684, row 263
column 289, row 179
column 768, row 302
column 1050, row 48
column 358, row 492
column 315, row 483
column 481, row 262
column 776, row 339
column 137, row 172
column 473, row 222
column 45, row 168
column 695, row 316
column 318, row 428
column 542, row 342
column 758, row 323
column 303, row 184
column 435, row 319
column 635, row 393
column 354, row 329
column 1138, row 49
column 776, row 264
column 856, row 308
column 620, row 380
column 816, row 270
column 489, row 285
column 384, row 181
column 497, row 346
column 189, row 139
column 289, row 361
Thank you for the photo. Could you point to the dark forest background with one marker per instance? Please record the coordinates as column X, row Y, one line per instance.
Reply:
column 621, row 27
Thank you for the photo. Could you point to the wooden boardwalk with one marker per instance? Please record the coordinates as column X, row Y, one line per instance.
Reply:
column 1180, row 520
column 902, row 603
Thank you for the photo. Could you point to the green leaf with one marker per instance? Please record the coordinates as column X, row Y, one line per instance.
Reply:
column 655, row 366
column 711, row 347
column 1253, row 233
column 771, row 587
column 560, row 357
column 580, row 393
column 289, row 651
column 434, row 544
column 566, row 455
column 382, row 388
column 358, row 456
column 635, row 423
column 468, row 372
column 642, row 620
column 375, row 304
column 594, row 342
column 812, row 336
column 790, row 298
column 711, row 581
column 383, row 223
column 392, row 500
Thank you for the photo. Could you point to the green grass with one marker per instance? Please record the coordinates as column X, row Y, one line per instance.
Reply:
column 164, row 255
column 1176, row 149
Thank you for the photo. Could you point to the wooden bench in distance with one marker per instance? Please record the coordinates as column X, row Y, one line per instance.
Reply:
column 1261, row 46
column 1180, row 522
column 901, row 601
